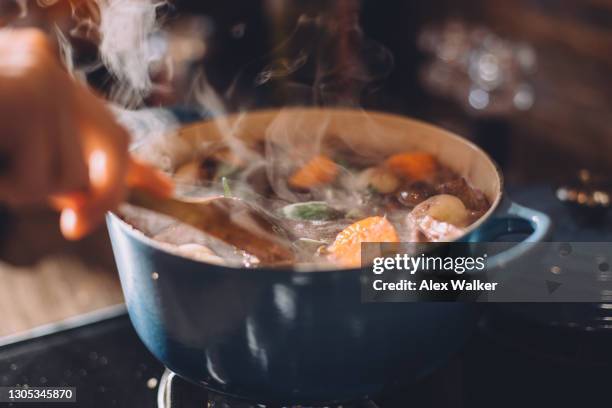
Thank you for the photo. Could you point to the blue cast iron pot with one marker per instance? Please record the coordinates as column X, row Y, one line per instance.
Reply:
column 283, row 336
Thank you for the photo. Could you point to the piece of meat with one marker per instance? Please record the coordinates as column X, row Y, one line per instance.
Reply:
column 415, row 193
column 472, row 199
column 432, row 229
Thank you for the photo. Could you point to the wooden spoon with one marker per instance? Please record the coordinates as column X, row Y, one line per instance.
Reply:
column 231, row 220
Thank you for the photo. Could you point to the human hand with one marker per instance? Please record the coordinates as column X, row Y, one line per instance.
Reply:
column 58, row 141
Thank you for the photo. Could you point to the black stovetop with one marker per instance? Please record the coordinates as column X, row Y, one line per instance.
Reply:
column 109, row 366
column 514, row 363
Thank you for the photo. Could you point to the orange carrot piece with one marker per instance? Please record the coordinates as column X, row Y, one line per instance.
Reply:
column 318, row 171
column 346, row 249
column 413, row 165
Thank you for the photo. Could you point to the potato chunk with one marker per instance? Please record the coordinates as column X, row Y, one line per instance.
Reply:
column 381, row 179
column 442, row 207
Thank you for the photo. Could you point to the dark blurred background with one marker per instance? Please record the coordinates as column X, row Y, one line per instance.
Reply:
column 567, row 122
column 529, row 80
column 567, row 126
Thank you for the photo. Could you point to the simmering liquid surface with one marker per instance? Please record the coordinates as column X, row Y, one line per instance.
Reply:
column 322, row 206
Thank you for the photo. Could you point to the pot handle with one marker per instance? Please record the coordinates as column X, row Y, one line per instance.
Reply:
column 512, row 218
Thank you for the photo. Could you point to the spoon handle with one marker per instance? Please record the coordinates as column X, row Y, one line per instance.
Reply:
column 222, row 218
column 184, row 211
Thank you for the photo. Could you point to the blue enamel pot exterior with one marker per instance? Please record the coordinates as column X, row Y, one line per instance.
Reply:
column 283, row 336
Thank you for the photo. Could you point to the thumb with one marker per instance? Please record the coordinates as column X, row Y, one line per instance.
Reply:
column 77, row 219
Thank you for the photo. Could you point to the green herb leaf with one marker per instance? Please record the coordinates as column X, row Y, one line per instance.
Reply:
column 310, row 211
column 227, row 192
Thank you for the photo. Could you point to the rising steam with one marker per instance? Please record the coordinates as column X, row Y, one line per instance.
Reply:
column 126, row 28
column 326, row 61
